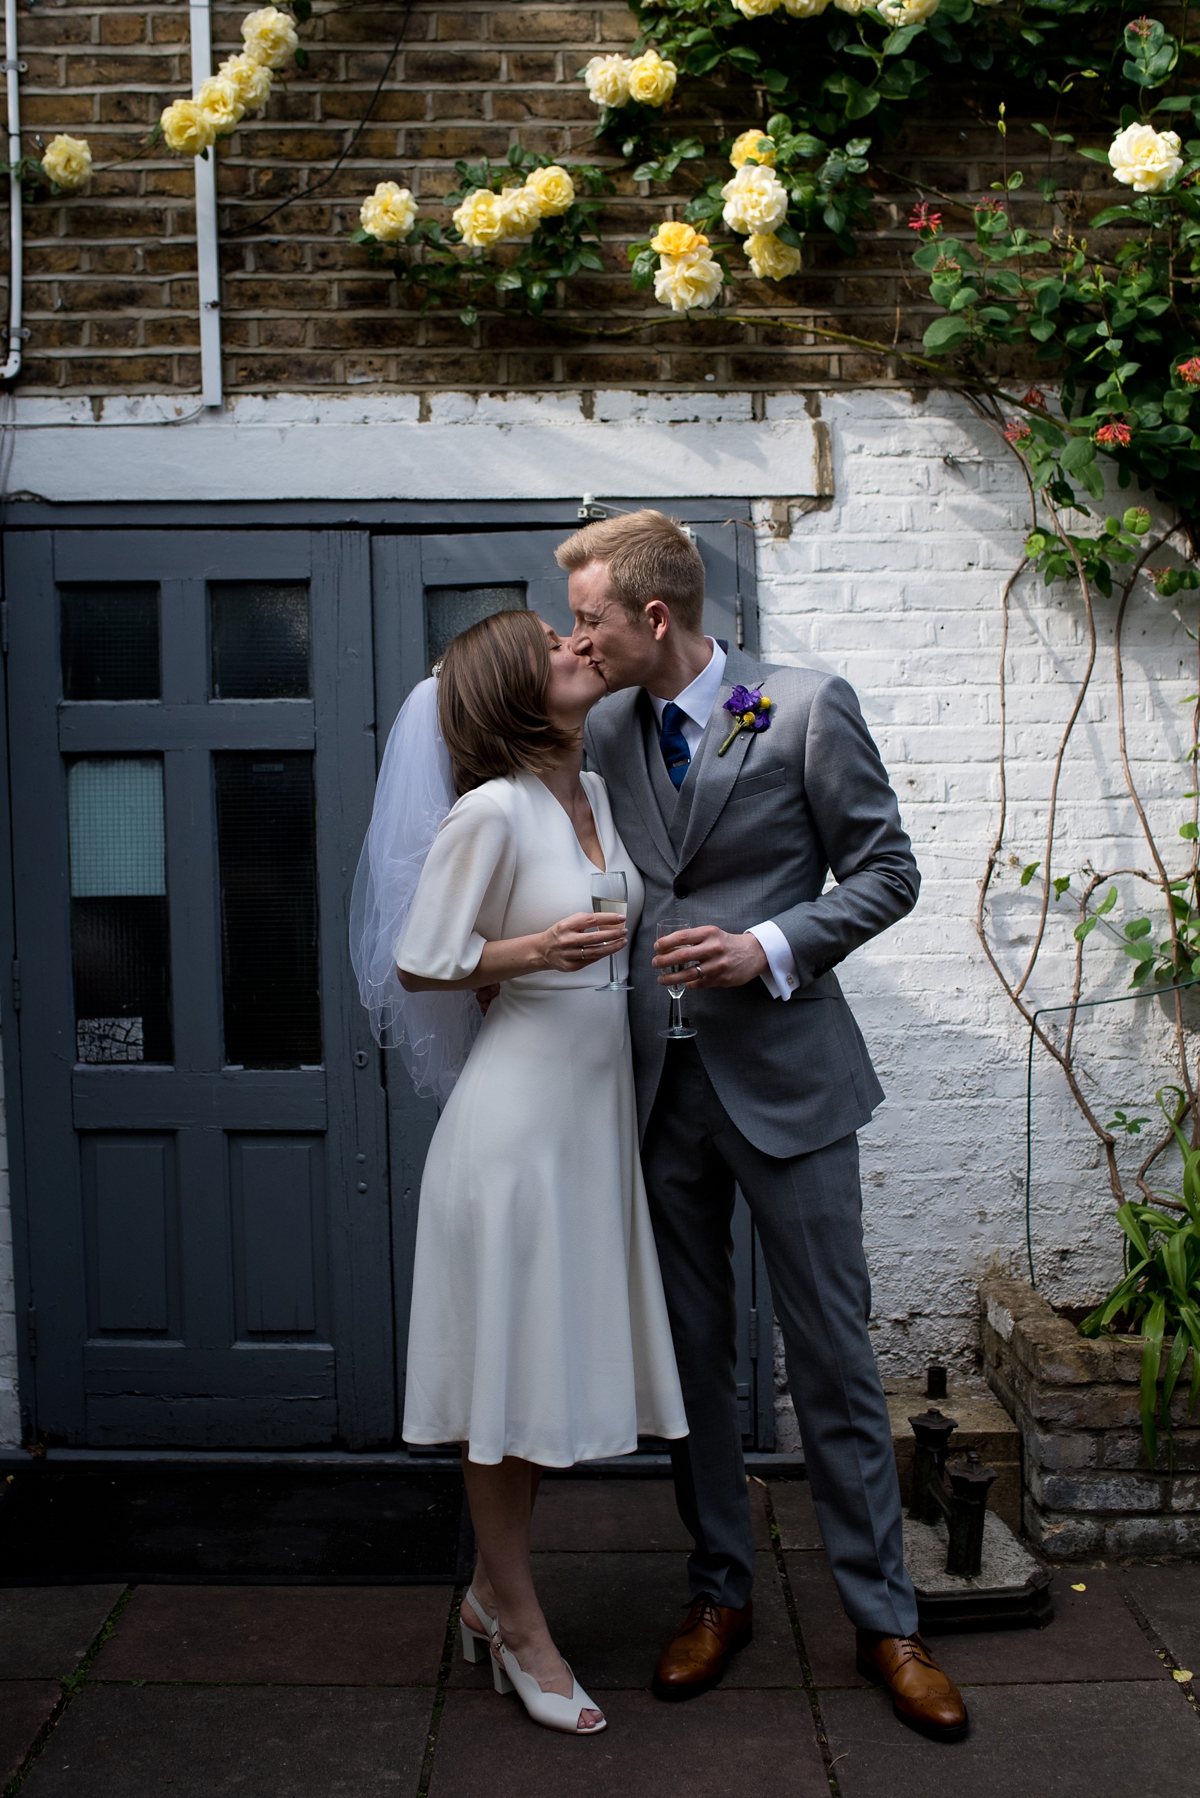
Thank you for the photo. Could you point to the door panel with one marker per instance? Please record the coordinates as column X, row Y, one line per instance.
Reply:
column 207, row 1209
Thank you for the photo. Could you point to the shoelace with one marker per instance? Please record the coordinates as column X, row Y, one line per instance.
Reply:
column 704, row 1610
column 910, row 1648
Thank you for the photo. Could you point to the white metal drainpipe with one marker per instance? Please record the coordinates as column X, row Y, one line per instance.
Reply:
column 12, row 68
column 207, row 261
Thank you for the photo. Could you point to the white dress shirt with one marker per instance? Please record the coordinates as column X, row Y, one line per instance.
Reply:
column 697, row 703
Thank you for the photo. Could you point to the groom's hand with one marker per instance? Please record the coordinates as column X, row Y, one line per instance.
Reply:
column 722, row 958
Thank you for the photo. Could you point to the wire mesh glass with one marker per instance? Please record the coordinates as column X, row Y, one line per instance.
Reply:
column 110, row 642
column 451, row 610
column 260, row 639
column 120, row 930
column 266, row 842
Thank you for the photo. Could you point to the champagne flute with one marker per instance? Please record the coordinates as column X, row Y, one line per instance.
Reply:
column 610, row 897
column 678, row 1028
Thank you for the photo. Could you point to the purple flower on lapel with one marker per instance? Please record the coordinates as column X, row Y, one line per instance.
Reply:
column 750, row 709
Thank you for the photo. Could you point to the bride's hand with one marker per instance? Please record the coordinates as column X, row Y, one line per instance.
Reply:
column 582, row 938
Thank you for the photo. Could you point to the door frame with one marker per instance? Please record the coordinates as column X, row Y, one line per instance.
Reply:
column 395, row 527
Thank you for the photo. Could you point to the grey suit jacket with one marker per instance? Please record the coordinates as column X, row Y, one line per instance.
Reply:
column 751, row 836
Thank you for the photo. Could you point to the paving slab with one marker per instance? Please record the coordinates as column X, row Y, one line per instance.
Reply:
column 1169, row 1599
column 1116, row 1740
column 756, row 1744
column 1093, row 1636
column 612, row 1614
column 235, row 1742
column 25, row 1704
column 795, row 1514
column 45, row 1631
column 622, row 1516
column 280, row 1635
column 625, row 1516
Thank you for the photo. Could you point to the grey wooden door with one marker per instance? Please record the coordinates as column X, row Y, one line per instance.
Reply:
column 192, row 761
column 427, row 589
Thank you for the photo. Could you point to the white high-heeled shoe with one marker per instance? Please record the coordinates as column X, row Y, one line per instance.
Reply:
column 475, row 1647
column 547, row 1708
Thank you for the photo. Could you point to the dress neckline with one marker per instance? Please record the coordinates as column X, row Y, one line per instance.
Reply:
column 561, row 808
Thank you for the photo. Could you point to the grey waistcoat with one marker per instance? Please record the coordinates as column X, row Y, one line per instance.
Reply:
column 751, row 836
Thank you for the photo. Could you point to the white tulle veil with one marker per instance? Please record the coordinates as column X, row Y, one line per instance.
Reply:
column 414, row 792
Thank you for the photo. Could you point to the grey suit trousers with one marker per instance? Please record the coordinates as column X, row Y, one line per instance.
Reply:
column 808, row 1212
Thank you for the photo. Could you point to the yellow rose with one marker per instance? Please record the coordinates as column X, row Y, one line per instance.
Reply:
column 251, row 79
column 755, row 200
column 769, row 259
column 1145, row 159
column 607, row 80
column 68, row 161
column 651, row 80
column 219, row 103
column 686, row 281
column 850, row 6
column 554, row 189
column 753, row 146
column 755, row 9
column 676, row 240
column 520, row 210
column 480, row 220
column 186, row 128
column 805, row 9
column 389, row 214
column 898, row 13
column 269, row 36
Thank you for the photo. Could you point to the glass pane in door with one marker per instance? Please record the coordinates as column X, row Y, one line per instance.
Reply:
column 260, row 639
column 266, row 842
column 109, row 638
column 451, row 610
column 120, row 934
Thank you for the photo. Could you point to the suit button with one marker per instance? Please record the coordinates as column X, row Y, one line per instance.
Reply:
column 681, row 889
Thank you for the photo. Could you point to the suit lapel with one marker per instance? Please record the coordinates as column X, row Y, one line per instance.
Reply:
column 715, row 774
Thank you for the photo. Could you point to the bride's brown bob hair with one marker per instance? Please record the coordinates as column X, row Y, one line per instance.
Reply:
column 492, row 701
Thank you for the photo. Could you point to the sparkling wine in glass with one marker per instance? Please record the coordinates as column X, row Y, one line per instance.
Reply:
column 610, row 896
column 677, row 1028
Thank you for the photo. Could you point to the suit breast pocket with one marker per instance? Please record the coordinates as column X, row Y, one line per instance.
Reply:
column 749, row 786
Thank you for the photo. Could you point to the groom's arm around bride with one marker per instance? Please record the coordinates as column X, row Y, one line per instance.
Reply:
column 738, row 787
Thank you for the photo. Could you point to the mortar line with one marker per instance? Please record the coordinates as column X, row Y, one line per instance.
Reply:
column 1189, row 1688
column 439, row 1697
column 789, row 1600
column 72, row 1685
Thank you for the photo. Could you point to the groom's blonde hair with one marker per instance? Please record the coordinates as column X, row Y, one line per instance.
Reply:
column 648, row 556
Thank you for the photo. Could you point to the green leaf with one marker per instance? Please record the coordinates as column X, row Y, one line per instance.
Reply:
column 1190, row 831
column 1061, row 885
column 1110, row 899
column 945, row 333
column 1028, row 872
column 1084, row 929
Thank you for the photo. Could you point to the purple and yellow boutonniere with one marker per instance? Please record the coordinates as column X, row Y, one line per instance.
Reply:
column 751, row 710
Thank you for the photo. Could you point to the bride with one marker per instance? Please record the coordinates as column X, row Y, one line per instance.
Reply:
column 539, row 1333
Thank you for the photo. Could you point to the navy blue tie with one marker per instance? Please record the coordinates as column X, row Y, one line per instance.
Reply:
column 676, row 753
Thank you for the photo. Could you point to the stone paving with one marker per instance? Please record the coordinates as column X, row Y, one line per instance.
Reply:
column 278, row 1691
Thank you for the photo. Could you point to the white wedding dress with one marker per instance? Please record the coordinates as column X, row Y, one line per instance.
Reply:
column 538, row 1323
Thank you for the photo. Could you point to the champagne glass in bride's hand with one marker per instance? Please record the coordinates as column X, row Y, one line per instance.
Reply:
column 610, row 896
column 677, row 1028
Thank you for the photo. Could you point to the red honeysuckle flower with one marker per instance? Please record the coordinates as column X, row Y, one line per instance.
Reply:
column 922, row 218
column 1141, row 27
column 1017, row 431
column 1189, row 371
column 1034, row 397
column 1114, row 435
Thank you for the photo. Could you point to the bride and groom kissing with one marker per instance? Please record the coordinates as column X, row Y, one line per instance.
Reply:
column 573, row 1284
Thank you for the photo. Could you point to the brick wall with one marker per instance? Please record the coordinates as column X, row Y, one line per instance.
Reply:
column 111, row 292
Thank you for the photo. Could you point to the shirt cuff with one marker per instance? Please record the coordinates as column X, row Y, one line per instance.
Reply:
column 780, row 979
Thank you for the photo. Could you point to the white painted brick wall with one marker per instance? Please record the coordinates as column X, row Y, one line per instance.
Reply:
column 897, row 586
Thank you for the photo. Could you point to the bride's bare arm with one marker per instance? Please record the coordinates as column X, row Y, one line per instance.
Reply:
column 570, row 944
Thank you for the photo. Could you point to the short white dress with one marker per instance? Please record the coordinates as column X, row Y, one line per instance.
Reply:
column 538, row 1324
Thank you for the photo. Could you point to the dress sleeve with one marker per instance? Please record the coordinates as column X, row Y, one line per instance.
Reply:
column 463, row 892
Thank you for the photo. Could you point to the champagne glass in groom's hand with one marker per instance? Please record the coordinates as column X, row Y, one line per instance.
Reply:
column 610, row 896
column 677, row 1028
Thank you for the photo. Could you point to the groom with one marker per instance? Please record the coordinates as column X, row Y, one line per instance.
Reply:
column 738, row 836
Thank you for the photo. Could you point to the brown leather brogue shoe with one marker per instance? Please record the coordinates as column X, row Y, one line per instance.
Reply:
column 922, row 1695
column 699, row 1652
